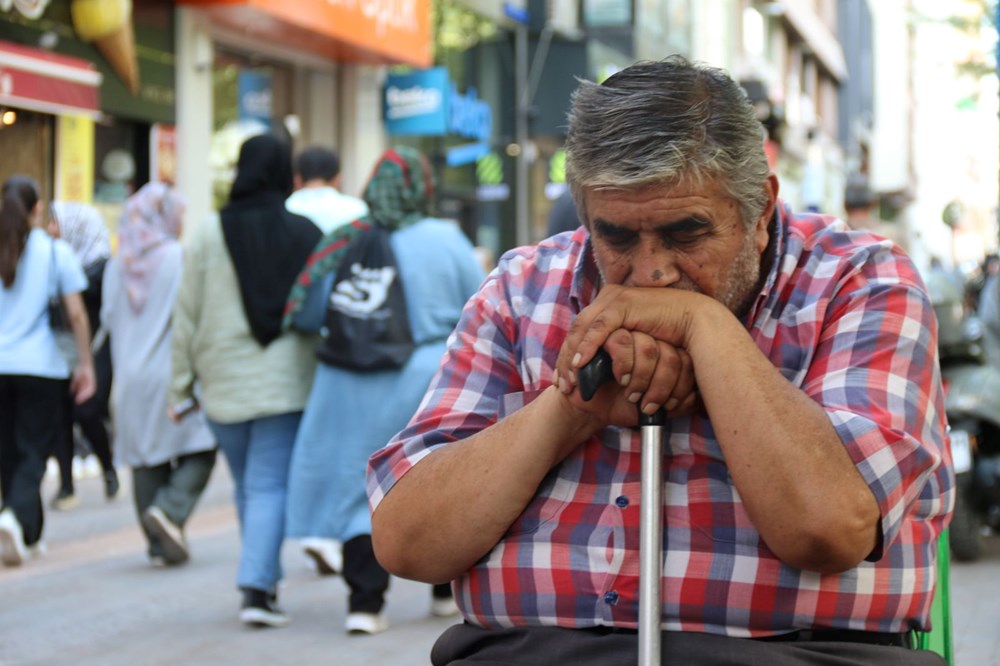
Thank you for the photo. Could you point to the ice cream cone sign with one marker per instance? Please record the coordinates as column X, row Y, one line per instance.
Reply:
column 108, row 24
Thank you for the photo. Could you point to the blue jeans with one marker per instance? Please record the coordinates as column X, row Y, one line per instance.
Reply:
column 258, row 452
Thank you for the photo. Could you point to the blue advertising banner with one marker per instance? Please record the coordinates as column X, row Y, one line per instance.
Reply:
column 254, row 94
column 417, row 102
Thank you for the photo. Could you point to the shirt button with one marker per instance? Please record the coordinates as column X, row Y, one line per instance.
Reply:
column 621, row 501
column 611, row 597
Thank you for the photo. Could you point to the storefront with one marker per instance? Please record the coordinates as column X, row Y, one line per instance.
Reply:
column 120, row 63
column 41, row 93
column 464, row 113
column 312, row 68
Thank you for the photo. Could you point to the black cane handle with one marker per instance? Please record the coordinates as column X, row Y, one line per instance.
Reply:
column 597, row 372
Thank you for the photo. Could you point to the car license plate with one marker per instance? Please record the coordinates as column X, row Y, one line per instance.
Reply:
column 961, row 451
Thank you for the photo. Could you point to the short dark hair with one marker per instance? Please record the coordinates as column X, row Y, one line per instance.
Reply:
column 317, row 162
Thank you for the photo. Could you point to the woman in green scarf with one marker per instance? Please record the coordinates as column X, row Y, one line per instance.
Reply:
column 352, row 413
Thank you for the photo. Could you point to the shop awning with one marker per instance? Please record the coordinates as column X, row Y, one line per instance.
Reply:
column 391, row 32
column 46, row 82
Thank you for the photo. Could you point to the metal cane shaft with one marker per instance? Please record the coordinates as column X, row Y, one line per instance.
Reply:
column 592, row 376
column 650, row 545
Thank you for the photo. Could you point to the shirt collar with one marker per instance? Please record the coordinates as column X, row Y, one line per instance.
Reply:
column 586, row 278
column 777, row 231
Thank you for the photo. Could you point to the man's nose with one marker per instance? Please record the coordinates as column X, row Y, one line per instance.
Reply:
column 655, row 267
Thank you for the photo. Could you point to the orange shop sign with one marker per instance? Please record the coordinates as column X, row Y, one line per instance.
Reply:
column 378, row 31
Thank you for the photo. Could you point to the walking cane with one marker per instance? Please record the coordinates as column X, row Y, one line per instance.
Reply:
column 592, row 376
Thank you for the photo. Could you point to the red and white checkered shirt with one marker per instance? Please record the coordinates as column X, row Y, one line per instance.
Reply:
column 843, row 315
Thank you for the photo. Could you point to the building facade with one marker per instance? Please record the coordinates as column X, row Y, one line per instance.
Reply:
column 314, row 68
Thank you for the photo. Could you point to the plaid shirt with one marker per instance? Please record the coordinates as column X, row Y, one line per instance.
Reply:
column 843, row 315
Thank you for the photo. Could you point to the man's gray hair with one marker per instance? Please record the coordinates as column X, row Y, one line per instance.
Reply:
column 668, row 122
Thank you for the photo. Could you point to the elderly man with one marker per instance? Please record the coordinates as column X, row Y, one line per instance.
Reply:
column 806, row 475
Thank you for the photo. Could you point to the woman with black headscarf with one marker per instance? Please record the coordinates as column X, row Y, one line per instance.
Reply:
column 254, row 379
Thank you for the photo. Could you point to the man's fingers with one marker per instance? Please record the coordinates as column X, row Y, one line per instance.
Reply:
column 664, row 378
column 684, row 387
column 592, row 327
column 620, row 346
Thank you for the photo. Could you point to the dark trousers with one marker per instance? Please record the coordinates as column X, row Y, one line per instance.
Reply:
column 467, row 645
column 30, row 416
column 175, row 487
column 365, row 577
column 91, row 416
column 368, row 581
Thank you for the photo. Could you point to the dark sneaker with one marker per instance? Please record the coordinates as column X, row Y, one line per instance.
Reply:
column 64, row 501
column 260, row 609
column 167, row 532
column 111, row 484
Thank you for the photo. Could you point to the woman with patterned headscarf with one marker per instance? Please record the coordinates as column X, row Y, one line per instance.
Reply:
column 438, row 268
column 82, row 226
column 171, row 462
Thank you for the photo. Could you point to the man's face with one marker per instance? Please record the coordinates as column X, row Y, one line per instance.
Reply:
column 686, row 236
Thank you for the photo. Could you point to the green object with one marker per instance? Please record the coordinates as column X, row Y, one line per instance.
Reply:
column 939, row 639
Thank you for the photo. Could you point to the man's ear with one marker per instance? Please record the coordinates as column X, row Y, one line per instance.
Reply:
column 297, row 181
column 336, row 182
column 760, row 229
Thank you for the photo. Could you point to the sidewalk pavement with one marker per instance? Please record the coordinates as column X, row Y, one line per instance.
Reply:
column 94, row 600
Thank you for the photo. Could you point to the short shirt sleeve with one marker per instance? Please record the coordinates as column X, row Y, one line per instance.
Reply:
column 69, row 273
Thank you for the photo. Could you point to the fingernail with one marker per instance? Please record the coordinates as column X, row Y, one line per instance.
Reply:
column 576, row 360
column 650, row 408
column 634, row 398
column 555, row 379
column 572, row 377
column 626, row 379
column 564, row 386
column 672, row 404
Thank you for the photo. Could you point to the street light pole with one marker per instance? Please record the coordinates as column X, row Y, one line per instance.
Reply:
column 521, row 175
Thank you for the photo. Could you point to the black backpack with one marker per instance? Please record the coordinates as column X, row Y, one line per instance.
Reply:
column 366, row 325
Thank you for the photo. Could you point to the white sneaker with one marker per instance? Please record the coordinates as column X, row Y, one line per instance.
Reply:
column 366, row 623
column 171, row 537
column 12, row 548
column 326, row 554
column 37, row 549
column 445, row 607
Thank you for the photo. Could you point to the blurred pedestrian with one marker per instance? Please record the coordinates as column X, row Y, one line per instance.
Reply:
column 254, row 378
column 352, row 413
column 563, row 215
column 317, row 195
column 82, row 226
column 989, row 310
column 33, row 372
column 171, row 462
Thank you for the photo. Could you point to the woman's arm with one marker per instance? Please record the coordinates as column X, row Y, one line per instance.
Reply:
column 184, row 323
column 83, row 382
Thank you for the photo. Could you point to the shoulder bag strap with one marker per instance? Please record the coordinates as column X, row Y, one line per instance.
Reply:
column 53, row 270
